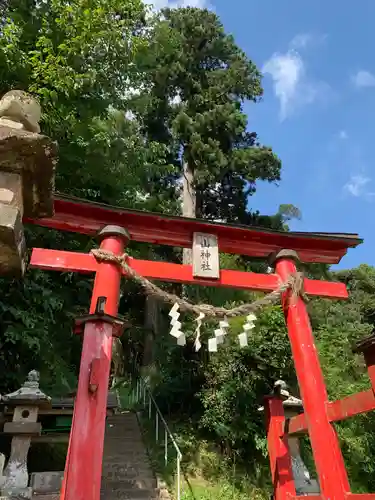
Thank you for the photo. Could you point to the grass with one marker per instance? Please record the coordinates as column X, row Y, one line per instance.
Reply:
column 205, row 474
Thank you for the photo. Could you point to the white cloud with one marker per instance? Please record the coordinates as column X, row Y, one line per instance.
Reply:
column 363, row 79
column 286, row 71
column 160, row 4
column 290, row 82
column 302, row 40
column 356, row 186
column 343, row 134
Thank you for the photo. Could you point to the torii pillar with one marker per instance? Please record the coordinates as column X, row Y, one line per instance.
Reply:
column 329, row 461
column 83, row 470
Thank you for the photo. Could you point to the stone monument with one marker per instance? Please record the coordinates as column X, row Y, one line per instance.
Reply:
column 304, row 484
column 27, row 169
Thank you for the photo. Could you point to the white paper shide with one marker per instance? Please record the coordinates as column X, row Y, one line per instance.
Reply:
column 176, row 325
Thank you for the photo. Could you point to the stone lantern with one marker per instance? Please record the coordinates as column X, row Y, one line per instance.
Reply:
column 26, row 402
column 293, row 406
column 303, row 483
column 27, row 167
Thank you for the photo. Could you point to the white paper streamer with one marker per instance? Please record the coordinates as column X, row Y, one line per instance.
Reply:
column 219, row 336
column 249, row 325
column 197, row 342
column 212, row 344
column 181, row 340
column 176, row 330
column 176, row 325
column 242, row 337
column 174, row 310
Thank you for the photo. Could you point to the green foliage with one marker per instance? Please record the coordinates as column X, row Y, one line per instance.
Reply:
column 237, row 379
column 205, row 472
column 198, row 79
column 128, row 99
column 233, row 381
column 73, row 57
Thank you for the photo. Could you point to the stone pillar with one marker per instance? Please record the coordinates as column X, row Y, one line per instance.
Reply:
column 293, row 406
column 2, row 456
column 2, row 463
column 26, row 403
column 27, row 167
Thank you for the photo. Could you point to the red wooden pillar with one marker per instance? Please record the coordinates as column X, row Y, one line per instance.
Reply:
column 326, row 449
column 278, row 450
column 83, row 470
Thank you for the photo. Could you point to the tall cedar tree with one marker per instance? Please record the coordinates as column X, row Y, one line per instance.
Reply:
column 198, row 80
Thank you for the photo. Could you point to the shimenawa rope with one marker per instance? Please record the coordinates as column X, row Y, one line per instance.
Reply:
column 293, row 283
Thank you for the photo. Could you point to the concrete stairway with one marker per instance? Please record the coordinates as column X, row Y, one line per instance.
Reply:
column 127, row 472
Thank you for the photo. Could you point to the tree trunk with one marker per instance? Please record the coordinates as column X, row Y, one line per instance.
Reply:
column 151, row 325
column 188, row 204
column 152, row 315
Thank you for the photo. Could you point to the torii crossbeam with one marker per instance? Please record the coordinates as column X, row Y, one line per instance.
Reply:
column 116, row 226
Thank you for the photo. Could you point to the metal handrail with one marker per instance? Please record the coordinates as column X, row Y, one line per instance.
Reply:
column 141, row 393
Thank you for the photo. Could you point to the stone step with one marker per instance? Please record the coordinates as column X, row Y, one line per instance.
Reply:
column 124, row 417
column 123, row 445
column 126, row 473
column 120, row 446
column 49, row 496
column 113, row 448
column 132, row 480
column 126, row 450
column 129, row 468
column 126, row 463
column 121, row 422
column 146, row 482
column 129, row 433
column 125, row 438
column 112, row 453
column 116, row 491
column 118, row 428
column 121, row 425
column 131, row 476
column 116, row 455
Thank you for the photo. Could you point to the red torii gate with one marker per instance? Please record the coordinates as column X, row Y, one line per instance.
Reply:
column 115, row 227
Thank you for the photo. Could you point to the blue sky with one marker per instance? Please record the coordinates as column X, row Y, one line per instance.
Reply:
column 318, row 109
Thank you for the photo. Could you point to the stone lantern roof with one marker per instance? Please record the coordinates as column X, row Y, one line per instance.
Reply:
column 29, row 394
